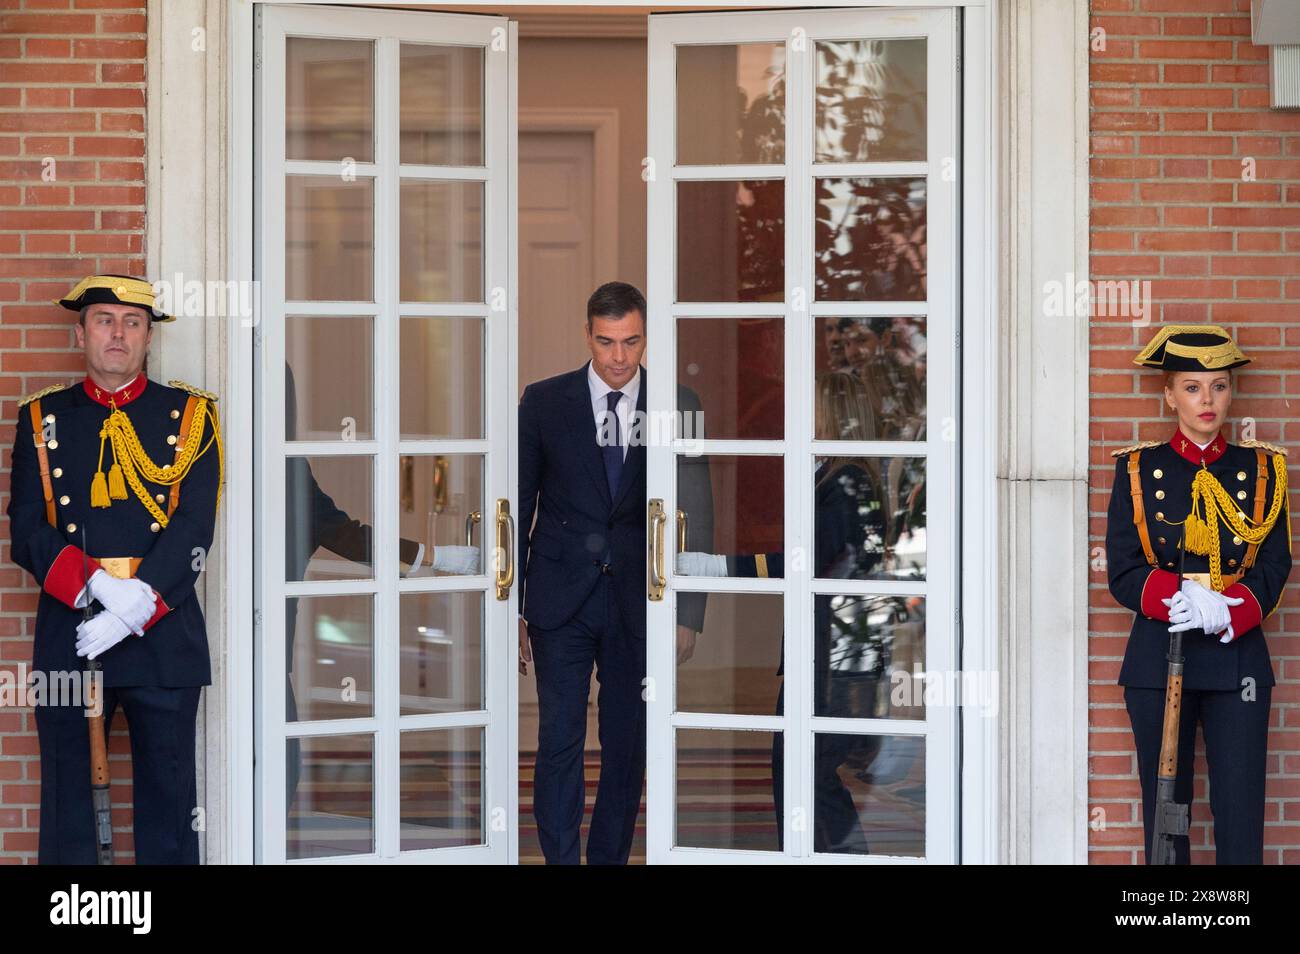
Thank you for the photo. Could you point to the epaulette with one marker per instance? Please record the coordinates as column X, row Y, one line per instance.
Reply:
column 1267, row 446
column 1140, row 445
column 177, row 383
column 41, row 393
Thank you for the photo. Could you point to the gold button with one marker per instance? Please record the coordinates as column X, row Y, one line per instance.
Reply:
column 49, row 418
column 1157, row 473
column 167, row 466
column 175, row 414
column 1162, row 540
column 1160, row 515
column 53, row 445
column 1237, row 540
column 1232, row 563
column 1160, row 495
column 58, row 471
column 154, row 526
column 1170, row 564
column 1241, row 475
column 72, row 528
column 171, row 438
column 65, row 500
column 1241, row 515
column 1241, row 495
column 159, row 497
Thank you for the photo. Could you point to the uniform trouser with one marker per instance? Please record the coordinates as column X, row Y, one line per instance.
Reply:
column 162, row 724
column 563, row 658
column 1236, row 743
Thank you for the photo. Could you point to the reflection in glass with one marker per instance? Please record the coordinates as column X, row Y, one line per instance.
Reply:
column 869, row 794
column 441, row 502
column 330, row 657
column 870, row 239
column 441, row 378
column 737, row 656
column 441, row 637
column 864, row 648
column 870, row 100
column 442, row 788
column 442, row 241
column 748, row 501
column 329, row 378
column 329, row 506
column 441, row 105
column 333, row 810
column 724, row 790
column 734, row 370
column 329, row 99
column 731, row 240
column 869, row 517
column 329, row 240
column 731, row 103
column 886, row 361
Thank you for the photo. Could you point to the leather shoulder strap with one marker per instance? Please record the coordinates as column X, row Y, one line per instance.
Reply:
column 186, row 420
column 1261, row 484
column 43, row 459
column 1139, row 511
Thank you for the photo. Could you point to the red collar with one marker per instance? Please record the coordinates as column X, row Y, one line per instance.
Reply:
column 125, row 395
column 1188, row 450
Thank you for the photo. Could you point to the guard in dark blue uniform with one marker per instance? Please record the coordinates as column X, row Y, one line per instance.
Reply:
column 135, row 466
column 1226, row 504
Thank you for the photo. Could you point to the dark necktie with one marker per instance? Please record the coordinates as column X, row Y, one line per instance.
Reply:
column 612, row 451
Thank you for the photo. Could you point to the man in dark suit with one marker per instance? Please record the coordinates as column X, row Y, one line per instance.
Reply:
column 583, row 567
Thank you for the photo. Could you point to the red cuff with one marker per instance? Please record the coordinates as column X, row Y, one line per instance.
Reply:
column 160, row 610
column 1246, row 616
column 68, row 575
column 1160, row 585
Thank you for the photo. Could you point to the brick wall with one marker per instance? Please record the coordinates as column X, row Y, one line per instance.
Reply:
column 1179, row 98
column 71, row 203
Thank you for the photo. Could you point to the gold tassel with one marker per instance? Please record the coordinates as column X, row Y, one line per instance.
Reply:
column 98, row 491
column 116, row 482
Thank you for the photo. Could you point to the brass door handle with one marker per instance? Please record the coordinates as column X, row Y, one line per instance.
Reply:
column 658, row 579
column 441, row 492
column 681, row 530
column 472, row 519
column 505, row 549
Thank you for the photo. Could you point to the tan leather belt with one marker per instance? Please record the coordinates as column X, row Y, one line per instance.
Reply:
column 1204, row 579
column 124, row 567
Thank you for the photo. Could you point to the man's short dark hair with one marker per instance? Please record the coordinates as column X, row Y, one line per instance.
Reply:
column 614, row 300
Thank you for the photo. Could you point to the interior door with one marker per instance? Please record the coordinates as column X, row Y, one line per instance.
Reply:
column 803, row 197
column 385, row 706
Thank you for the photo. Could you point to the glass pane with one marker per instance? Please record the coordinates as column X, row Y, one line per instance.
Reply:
column 871, row 243
column 330, row 644
column 329, row 511
column 871, row 379
column 329, row 99
column 441, row 638
column 866, row 651
column 736, row 665
column 442, row 378
column 442, row 241
column 731, row 103
column 870, row 100
column 746, row 512
column 442, row 788
column 726, row 797
column 441, row 503
column 869, row 518
column 731, row 240
column 328, row 378
column 332, row 796
column 442, row 105
column 869, row 794
column 329, row 240
column 733, row 371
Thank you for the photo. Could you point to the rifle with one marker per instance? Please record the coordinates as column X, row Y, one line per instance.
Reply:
column 98, row 743
column 1171, row 818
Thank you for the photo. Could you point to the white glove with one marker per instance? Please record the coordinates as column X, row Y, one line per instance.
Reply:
column 100, row 633
column 1229, row 636
column 1211, row 608
column 462, row 560
column 131, row 600
column 691, row 563
column 1183, row 613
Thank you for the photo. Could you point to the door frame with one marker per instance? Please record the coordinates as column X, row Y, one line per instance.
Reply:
column 1024, row 792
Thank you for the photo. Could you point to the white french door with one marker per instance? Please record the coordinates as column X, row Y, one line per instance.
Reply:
column 385, row 693
column 803, row 294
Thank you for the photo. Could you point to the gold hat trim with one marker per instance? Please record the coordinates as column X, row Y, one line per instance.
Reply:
column 1221, row 354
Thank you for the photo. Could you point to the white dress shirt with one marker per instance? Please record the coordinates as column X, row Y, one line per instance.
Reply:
column 626, row 404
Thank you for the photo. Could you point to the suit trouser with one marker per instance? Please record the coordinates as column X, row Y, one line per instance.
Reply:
column 1236, row 744
column 162, row 723
column 563, row 659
